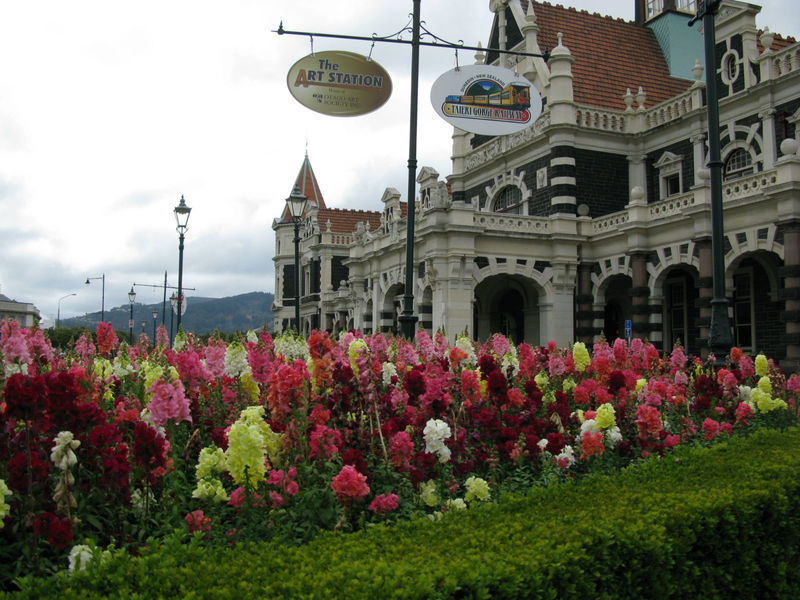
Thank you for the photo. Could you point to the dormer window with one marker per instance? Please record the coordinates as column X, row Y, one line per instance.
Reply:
column 656, row 7
column 670, row 174
column 509, row 200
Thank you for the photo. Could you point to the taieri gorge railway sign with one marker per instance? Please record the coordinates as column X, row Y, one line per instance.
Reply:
column 486, row 100
column 339, row 83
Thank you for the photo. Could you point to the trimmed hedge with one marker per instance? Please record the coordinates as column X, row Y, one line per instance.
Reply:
column 718, row 522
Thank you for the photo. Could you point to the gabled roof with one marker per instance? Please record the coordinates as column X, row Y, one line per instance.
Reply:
column 610, row 54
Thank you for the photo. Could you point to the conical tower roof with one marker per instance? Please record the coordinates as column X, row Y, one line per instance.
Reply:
column 307, row 183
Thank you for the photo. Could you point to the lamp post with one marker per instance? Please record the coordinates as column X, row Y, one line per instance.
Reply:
column 103, row 299
column 155, row 316
column 296, row 202
column 182, row 219
column 58, row 314
column 719, row 332
column 131, row 299
column 173, row 302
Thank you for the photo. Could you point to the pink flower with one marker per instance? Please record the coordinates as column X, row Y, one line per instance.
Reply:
column 711, row 428
column 672, row 440
column 168, row 403
column 277, row 499
column 743, row 414
column 401, row 449
column 384, row 503
column 349, row 485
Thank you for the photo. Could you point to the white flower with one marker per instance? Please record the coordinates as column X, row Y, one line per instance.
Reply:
column 252, row 336
column 62, row 453
column 79, row 557
column 236, row 360
column 435, row 433
column 613, row 436
column 389, row 371
column 465, row 344
column 589, row 425
column 291, row 347
column 567, row 456
column 542, row 443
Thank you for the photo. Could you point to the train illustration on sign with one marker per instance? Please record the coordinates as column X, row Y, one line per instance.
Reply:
column 516, row 96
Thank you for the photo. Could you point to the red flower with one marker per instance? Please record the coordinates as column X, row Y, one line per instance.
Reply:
column 106, row 338
column 23, row 395
column 58, row 532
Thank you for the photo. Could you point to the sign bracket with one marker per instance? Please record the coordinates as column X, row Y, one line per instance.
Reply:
column 407, row 319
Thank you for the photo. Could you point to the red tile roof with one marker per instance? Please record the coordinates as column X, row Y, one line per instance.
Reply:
column 610, row 54
column 344, row 220
column 778, row 43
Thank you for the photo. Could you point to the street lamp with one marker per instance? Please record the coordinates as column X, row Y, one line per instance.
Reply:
column 103, row 300
column 155, row 316
column 131, row 298
column 173, row 302
column 296, row 202
column 182, row 219
column 719, row 332
column 58, row 314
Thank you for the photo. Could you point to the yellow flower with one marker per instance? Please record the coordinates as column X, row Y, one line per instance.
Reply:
column 765, row 385
column 427, row 491
column 580, row 355
column 569, row 384
column 477, row 488
column 605, row 418
column 762, row 366
column 641, row 383
column 352, row 353
column 541, row 379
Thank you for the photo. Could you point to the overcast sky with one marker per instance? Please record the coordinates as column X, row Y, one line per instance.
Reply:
column 110, row 110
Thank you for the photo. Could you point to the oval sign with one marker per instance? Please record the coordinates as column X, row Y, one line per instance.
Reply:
column 338, row 83
column 486, row 100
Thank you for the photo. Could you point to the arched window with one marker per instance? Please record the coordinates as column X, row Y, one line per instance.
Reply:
column 509, row 200
column 738, row 164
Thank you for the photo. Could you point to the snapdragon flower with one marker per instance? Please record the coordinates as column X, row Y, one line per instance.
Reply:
column 476, row 488
column 605, row 417
column 427, row 492
column 210, row 489
column 388, row 371
column 62, row 453
column 762, row 365
column 435, row 433
column 4, row 506
column 210, row 461
column 291, row 347
column 580, row 355
column 465, row 344
column 236, row 363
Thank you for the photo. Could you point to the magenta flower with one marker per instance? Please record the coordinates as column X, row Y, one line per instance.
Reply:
column 384, row 503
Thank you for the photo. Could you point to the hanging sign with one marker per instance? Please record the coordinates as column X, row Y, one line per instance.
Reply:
column 486, row 100
column 338, row 83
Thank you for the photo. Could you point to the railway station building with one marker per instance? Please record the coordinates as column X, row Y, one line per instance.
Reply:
column 598, row 213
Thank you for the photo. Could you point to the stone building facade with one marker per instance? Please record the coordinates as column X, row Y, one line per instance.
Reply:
column 599, row 212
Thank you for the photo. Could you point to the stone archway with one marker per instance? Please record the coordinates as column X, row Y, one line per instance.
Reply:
column 507, row 304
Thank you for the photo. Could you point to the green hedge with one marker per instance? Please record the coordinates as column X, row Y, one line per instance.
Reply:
column 719, row 522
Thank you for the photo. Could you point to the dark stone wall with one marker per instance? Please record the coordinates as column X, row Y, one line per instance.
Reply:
column 602, row 180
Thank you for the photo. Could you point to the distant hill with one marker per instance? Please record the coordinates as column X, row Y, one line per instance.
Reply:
column 203, row 315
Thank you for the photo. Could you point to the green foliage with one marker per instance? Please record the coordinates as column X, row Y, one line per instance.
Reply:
column 718, row 522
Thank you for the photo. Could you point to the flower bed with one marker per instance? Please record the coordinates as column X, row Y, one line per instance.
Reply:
column 278, row 439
